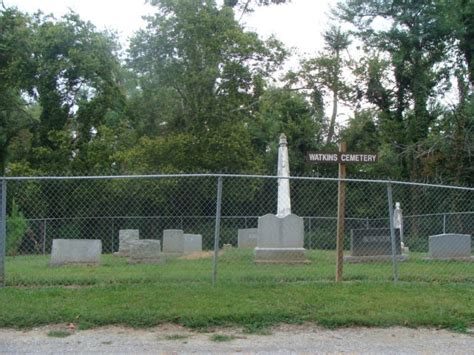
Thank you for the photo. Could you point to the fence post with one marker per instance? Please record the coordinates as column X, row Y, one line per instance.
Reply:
column 3, row 229
column 392, row 232
column 444, row 223
column 217, row 230
column 112, row 235
column 310, row 234
column 44, row 237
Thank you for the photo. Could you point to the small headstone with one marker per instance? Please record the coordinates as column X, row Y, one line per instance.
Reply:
column 173, row 241
column 76, row 251
column 374, row 244
column 125, row 237
column 145, row 251
column 280, row 240
column 450, row 246
column 247, row 238
column 192, row 243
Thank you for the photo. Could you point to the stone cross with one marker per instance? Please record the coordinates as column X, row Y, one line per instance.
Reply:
column 284, row 203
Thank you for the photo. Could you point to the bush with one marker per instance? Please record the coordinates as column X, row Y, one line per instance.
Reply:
column 16, row 229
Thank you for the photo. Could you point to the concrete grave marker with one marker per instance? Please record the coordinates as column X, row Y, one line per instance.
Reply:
column 373, row 245
column 280, row 239
column 173, row 241
column 192, row 243
column 247, row 238
column 76, row 251
column 125, row 237
column 146, row 251
column 450, row 247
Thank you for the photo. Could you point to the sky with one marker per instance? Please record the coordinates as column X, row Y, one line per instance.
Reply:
column 298, row 24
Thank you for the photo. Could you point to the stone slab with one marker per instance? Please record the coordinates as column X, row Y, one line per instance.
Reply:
column 125, row 237
column 280, row 232
column 146, row 251
column 374, row 242
column 192, row 243
column 280, row 240
column 76, row 251
column 173, row 241
column 450, row 246
column 247, row 238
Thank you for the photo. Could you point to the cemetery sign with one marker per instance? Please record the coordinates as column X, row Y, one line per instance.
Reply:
column 342, row 158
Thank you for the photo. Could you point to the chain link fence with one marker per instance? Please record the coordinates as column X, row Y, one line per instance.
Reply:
column 223, row 228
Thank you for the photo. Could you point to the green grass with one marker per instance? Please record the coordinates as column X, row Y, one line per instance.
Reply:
column 247, row 295
column 222, row 337
column 234, row 266
column 59, row 333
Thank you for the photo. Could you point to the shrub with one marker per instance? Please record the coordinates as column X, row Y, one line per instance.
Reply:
column 16, row 229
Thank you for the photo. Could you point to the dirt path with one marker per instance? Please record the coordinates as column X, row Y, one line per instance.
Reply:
column 282, row 339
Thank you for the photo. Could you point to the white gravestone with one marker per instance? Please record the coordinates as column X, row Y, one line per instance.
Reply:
column 173, row 241
column 450, row 246
column 281, row 237
column 145, row 251
column 284, row 201
column 125, row 237
column 76, row 251
column 247, row 238
column 192, row 243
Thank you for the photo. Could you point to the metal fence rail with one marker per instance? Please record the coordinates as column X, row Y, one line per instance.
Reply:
column 220, row 208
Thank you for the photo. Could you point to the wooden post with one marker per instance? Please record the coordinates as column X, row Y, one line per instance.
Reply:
column 341, row 196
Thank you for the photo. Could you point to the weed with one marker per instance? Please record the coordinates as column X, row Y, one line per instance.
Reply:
column 222, row 337
column 59, row 333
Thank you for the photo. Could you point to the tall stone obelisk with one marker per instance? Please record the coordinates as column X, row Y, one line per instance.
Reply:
column 284, row 199
column 280, row 237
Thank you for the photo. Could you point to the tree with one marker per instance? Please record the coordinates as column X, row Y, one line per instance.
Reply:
column 15, row 75
column 324, row 73
column 284, row 111
column 73, row 80
column 209, row 68
column 407, row 62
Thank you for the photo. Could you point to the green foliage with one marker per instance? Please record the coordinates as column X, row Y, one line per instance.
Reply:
column 16, row 229
column 205, row 63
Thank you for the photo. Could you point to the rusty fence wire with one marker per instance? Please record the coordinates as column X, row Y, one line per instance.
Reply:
column 210, row 228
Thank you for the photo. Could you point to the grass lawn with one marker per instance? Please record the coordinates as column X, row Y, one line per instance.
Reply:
column 248, row 295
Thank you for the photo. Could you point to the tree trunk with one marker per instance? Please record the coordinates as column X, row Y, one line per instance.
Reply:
column 332, row 123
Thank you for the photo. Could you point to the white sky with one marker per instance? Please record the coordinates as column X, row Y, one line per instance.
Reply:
column 298, row 24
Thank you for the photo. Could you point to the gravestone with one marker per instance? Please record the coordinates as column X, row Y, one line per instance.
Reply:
column 374, row 244
column 145, row 251
column 192, row 243
column 76, row 251
column 247, row 238
column 450, row 247
column 280, row 239
column 173, row 241
column 125, row 237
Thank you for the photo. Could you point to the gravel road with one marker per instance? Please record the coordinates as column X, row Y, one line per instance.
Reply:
column 281, row 340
